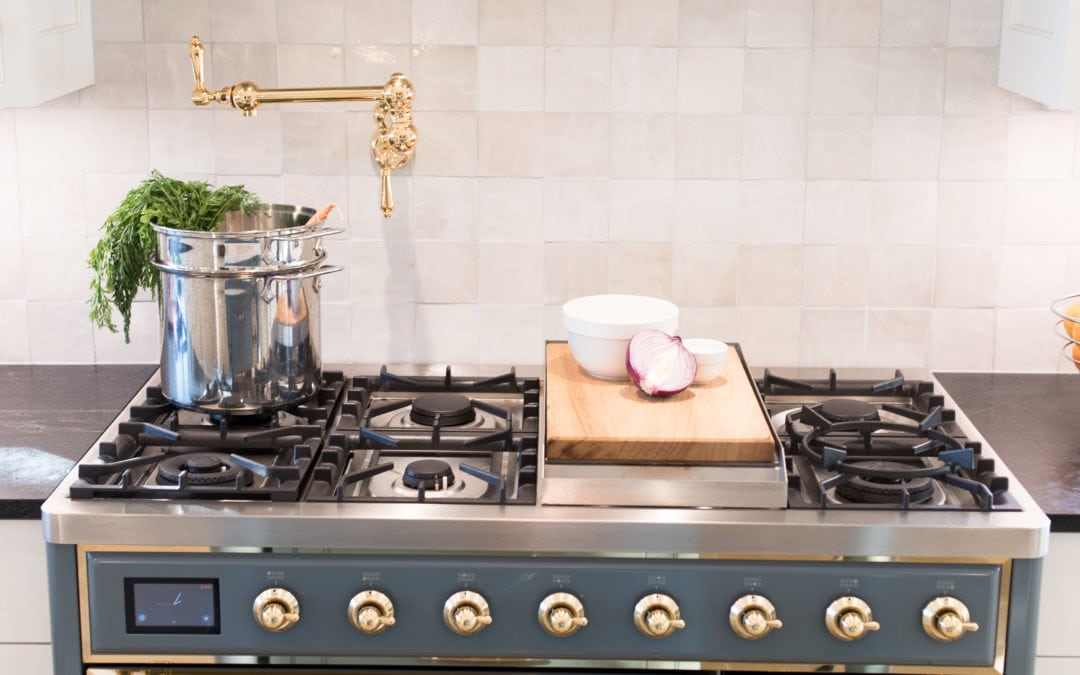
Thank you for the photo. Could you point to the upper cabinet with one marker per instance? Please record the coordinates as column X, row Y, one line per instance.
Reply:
column 46, row 50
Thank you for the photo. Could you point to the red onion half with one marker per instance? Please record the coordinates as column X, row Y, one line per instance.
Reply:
column 658, row 363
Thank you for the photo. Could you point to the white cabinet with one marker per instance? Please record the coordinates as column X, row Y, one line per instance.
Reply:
column 46, row 50
column 1040, row 51
column 1058, row 648
column 24, row 605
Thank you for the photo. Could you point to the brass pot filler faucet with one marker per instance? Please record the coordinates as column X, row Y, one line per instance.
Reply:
column 392, row 145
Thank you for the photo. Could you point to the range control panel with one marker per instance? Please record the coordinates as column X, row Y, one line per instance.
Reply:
column 670, row 609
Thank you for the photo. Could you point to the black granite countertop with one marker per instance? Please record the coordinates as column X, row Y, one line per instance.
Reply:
column 49, row 418
column 1033, row 422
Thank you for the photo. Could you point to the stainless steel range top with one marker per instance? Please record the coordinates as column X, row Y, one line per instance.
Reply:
column 396, row 519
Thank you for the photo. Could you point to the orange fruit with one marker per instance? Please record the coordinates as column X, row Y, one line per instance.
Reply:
column 1072, row 328
column 1076, row 355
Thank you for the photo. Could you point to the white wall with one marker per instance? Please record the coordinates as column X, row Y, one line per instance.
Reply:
column 829, row 182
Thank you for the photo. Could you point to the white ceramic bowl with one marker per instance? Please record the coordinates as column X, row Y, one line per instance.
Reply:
column 599, row 328
column 710, row 355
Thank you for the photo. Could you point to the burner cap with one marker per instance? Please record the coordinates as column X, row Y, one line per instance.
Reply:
column 428, row 473
column 208, row 468
column 450, row 409
column 848, row 410
column 874, row 490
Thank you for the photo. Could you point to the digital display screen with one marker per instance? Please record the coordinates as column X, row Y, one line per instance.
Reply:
column 172, row 605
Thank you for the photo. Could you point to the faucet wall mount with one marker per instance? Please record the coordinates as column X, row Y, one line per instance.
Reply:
column 392, row 145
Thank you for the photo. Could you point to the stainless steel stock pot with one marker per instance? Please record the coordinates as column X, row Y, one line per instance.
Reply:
column 240, row 311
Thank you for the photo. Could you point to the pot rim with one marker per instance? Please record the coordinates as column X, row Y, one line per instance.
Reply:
column 246, row 235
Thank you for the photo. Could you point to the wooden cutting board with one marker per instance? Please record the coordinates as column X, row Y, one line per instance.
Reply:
column 595, row 420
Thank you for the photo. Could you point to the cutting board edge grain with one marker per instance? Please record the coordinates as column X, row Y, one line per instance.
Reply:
column 599, row 420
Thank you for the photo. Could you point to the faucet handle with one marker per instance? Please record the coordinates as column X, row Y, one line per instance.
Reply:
column 200, row 96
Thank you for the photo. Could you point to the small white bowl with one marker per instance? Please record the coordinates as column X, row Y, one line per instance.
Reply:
column 710, row 355
column 599, row 328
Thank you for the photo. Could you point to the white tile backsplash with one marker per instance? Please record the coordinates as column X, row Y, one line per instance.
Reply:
column 828, row 182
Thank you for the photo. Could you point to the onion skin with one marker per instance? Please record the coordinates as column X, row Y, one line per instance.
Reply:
column 658, row 363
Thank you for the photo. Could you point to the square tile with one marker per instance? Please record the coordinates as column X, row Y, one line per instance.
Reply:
column 384, row 332
column 175, row 20
column 511, row 144
column 310, row 21
column 1040, row 212
column 974, row 23
column 444, row 77
column 653, row 23
column 448, row 146
column 53, row 204
column 577, row 79
column 511, row 22
column 710, row 80
column 1041, row 145
column 962, row 339
column 769, row 275
column 971, row 82
column 644, row 79
column 847, row 23
column 839, row 146
column 577, row 144
column 574, row 269
column 1023, row 343
column 445, row 207
column 387, row 271
column 974, row 147
column 897, row 338
column 510, row 335
column 510, row 78
column 911, row 80
column 575, row 210
column 578, row 22
column 181, row 141
column 832, row 338
column 640, row 210
column 771, row 211
column 378, row 22
column 254, row 145
column 15, row 338
column 906, row 147
column 835, row 276
column 779, row 23
column 639, row 269
column 446, row 334
column 444, row 22
column 904, row 212
column 511, row 273
column 838, row 212
column 910, row 23
column 48, row 141
column 642, row 145
column 48, row 343
column 777, row 81
column 1031, row 276
column 971, row 212
column 704, row 274
column 966, row 276
column 311, row 143
column 774, row 147
column 122, row 71
column 117, row 20
column 511, row 209
column 707, row 211
column 446, row 272
column 844, row 81
column 900, row 276
column 712, row 23
column 769, row 335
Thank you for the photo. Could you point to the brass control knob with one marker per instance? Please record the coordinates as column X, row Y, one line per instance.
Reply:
column 561, row 614
column 753, row 617
column 849, row 618
column 371, row 612
column 466, row 613
column 657, row 615
column 947, row 619
column 276, row 609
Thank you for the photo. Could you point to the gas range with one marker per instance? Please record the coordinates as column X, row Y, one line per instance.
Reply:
column 405, row 517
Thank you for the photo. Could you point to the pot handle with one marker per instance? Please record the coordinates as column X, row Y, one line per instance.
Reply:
column 268, row 291
column 314, row 234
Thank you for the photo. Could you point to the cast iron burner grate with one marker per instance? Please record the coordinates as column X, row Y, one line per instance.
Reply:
column 165, row 452
column 485, row 430
column 878, row 444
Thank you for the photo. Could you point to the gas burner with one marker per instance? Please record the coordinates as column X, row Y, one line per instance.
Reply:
column 442, row 408
column 429, row 474
column 885, row 482
column 204, row 468
column 848, row 410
